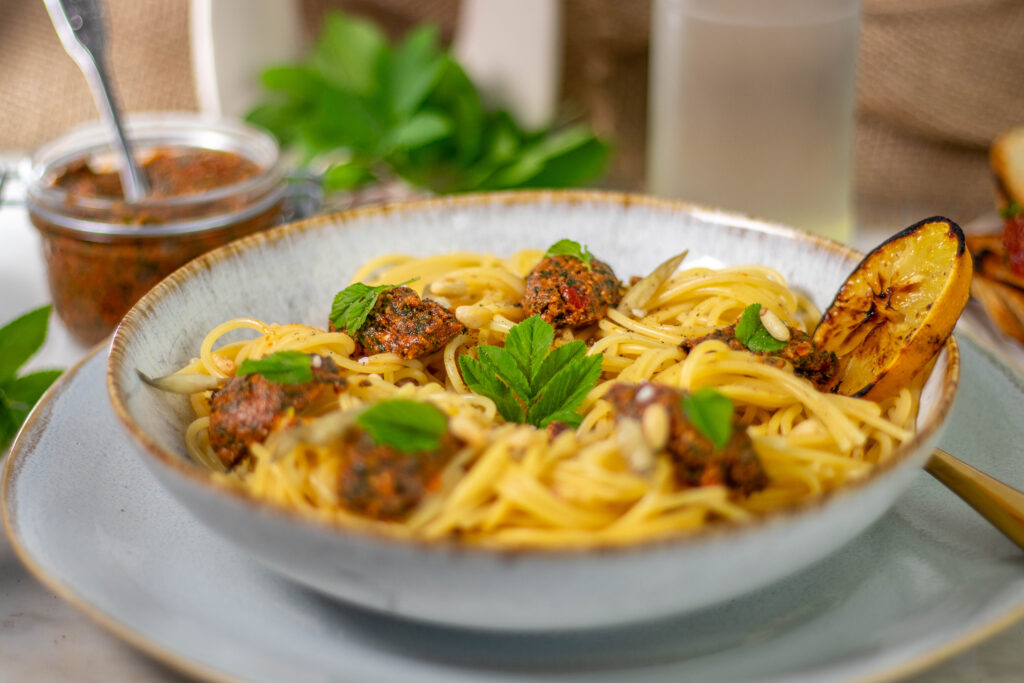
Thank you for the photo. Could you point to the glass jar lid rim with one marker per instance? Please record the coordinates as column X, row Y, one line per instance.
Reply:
column 153, row 131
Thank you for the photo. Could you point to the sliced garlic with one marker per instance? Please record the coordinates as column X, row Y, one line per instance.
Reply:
column 184, row 383
column 635, row 300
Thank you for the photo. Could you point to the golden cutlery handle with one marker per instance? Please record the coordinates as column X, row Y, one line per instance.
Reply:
column 1000, row 504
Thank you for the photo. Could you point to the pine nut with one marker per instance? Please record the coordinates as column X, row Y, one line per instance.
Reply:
column 634, row 449
column 655, row 426
column 774, row 325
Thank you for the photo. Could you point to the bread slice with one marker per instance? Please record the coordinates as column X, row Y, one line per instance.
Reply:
column 1006, row 157
column 996, row 287
column 1004, row 305
column 999, row 290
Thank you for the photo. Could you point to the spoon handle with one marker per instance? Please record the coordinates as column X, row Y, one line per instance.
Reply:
column 79, row 25
column 1000, row 504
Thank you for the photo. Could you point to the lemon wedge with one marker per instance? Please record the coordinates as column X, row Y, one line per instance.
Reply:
column 895, row 311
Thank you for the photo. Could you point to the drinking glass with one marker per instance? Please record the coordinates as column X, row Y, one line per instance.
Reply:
column 752, row 108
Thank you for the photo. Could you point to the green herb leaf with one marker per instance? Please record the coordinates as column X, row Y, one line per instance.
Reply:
column 18, row 397
column 346, row 176
column 572, row 167
column 419, row 130
column 415, row 69
column 342, row 119
column 568, row 247
column 544, row 162
column 752, row 333
column 555, row 361
column 710, row 411
column 23, row 392
column 528, row 381
column 348, row 53
column 297, row 81
column 8, row 424
column 353, row 304
column 566, row 390
column 504, row 365
column 20, row 339
column 484, row 381
column 408, row 426
column 1012, row 209
column 456, row 95
column 528, row 343
column 569, row 417
column 281, row 367
column 409, row 110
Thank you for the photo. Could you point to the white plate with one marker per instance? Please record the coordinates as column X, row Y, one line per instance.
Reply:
column 90, row 521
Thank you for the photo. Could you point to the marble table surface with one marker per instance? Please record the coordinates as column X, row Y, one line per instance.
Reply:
column 43, row 638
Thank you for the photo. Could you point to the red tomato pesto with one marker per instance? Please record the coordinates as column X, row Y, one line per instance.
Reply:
column 96, row 276
column 170, row 172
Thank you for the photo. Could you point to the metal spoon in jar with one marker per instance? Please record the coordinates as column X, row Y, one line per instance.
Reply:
column 79, row 25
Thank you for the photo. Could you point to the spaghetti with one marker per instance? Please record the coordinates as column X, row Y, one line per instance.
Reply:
column 516, row 485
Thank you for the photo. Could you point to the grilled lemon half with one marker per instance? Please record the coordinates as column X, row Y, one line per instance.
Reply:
column 895, row 311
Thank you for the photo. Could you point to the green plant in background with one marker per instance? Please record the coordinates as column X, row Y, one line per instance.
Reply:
column 19, row 340
column 372, row 109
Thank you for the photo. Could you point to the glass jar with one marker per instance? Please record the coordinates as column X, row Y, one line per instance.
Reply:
column 103, row 253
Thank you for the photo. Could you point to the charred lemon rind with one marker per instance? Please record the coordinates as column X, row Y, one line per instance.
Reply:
column 897, row 308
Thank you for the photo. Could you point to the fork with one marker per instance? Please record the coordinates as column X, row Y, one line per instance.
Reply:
column 1000, row 504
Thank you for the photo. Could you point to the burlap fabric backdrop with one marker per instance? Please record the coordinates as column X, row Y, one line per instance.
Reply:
column 938, row 80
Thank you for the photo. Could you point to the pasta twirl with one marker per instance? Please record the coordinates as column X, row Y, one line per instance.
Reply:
column 515, row 485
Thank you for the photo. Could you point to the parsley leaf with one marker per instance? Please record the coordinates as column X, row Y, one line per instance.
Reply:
column 568, row 247
column 1012, row 209
column 408, row 110
column 281, row 367
column 710, row 411
column 752, row 333
column 557, row 359
column 408, row 426
column 23, row 392
column 565, row 391
column 529, row 346
column 353, row 304
column 504, row 365
column 530, row 382
column 484, row 381
column 19, row 341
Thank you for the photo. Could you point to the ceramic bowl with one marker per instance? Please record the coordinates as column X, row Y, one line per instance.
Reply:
column 291, row 274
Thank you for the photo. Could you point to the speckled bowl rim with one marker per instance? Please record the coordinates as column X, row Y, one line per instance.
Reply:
column 168, row 288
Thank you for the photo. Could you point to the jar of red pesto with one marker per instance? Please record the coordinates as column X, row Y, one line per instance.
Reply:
column 211, row 181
